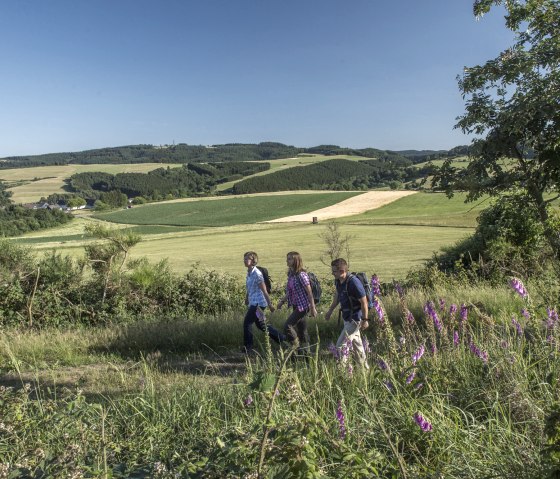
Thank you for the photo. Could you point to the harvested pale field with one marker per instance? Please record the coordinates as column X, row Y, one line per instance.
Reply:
column 352, row 206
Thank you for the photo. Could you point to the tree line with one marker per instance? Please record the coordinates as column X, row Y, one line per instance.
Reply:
column 16, row 220
column 183, row 153
column 339, row 174
column 105, row 189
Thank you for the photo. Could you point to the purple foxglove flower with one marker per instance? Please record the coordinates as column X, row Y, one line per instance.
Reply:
column 334, row 351
column 525, row 313
column 341, row 420
column 411, row 377
column 478, row 352
column 464, row 312
column 379, row 310
column 375, row 286
column 552, row 318
column 366, row 345
column 433, row 349
column 517, row 326
column 418, row 354
column 452, row 310
column 455, row 338
column 419, row 386
column 248, row 400
column 430, row 310
column 389, row 386
column 399, row 289
column 517, row 285
column 409, row 317
column 441, row 304
column 382, row 365
column 422, row 422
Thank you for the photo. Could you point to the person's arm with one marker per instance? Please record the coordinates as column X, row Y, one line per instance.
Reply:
column 333, row 305
column 312, row 308
column 262, row 287
column 284, row 299
column 364, row 306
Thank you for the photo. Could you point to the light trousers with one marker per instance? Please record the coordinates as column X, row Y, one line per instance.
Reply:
column 351, row 335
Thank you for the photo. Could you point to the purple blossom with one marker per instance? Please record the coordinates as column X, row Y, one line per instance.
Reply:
column 552, row 318
column 422, row 422
column 430, row 310
column 399, row 289
column 411, row 377
column 464, row 312
column 248, row 401
column 341, row 420
column 366, row 345
column 419, row 386
column 452, row 310
column 409, row 317
column 389, row 386
column 478, row 352
column 517, row 326
column 441, row 304
column 382, row 365
column 418, row 354
column 334, row 351
column 375, row 286
column 433, row 349
column 379, row 310
column 455, row 338
column 525, row 313
column 517, row 285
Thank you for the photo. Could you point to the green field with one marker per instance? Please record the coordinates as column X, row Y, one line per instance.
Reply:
column 426, row 209
column 40, row 181
column 388, row 241
column 227, row 211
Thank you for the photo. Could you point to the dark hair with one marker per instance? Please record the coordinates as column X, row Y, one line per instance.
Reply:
column 252, row 256
column 339, row 263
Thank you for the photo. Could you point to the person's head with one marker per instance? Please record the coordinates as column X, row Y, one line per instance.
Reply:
column 294, row 262
column 339, row 268
column 250, row 258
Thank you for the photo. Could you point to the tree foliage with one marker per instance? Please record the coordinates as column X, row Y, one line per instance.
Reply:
column 513, row 106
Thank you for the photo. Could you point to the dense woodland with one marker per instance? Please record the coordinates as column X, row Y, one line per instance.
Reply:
column 183, row 153
column 339, row 174
column 162, row 183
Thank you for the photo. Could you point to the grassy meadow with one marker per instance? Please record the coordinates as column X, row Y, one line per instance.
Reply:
column 389, row 244
column 461, row 382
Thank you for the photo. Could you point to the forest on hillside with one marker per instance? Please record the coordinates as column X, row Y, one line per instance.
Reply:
column 339, row 174
column 183, row 153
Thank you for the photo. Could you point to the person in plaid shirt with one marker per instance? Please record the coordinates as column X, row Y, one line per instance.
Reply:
column 300, row 297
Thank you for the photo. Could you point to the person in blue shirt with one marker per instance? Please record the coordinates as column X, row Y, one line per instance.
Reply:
column 352, row 298
column 257, row 299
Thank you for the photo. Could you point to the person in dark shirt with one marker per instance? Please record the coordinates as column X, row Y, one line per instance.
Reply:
column 352, row 298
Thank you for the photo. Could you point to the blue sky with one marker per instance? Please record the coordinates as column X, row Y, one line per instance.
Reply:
column 81, row 74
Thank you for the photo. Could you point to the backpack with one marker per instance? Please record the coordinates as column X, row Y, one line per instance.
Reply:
column 367, row 287
column 266, row 277
column 315, row 287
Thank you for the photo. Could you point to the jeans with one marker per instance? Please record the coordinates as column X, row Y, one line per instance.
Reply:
column 351, row 334
column 296, row 326
column 250, row 318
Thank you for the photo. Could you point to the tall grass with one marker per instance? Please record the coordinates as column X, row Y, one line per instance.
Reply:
column 485, row 392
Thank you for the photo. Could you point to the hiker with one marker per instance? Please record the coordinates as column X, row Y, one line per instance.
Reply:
column 300, row 297
column 257, row 299
column 351, row 296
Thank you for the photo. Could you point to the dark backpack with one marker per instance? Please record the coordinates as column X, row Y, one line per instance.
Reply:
column 367, row 287
column 315, row 287
column 267, row 279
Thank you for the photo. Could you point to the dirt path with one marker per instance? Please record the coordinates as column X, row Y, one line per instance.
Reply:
column 352, row 206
